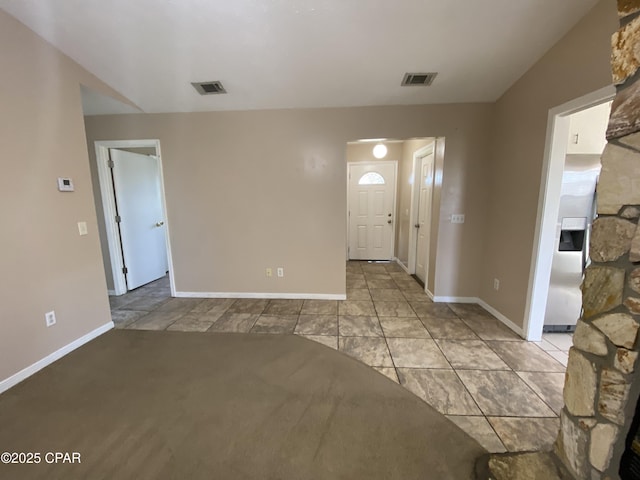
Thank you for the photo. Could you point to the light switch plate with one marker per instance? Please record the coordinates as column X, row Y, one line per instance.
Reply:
column 65, row 184
column 82, row 228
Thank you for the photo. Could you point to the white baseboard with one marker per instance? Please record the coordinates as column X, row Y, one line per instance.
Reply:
column 484, row 305
column 16, row 378
column 456, row 299
column 501, row 317
column 111, row 293
column 283, row 296
column 403, row 266
column 429, row 294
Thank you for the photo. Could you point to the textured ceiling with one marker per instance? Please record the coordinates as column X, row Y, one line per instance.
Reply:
column 301, row 53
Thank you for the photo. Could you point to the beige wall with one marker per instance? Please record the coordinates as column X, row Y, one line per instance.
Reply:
column 249, row 190
column 578, row 64
column 363, row 152
column 46, row 264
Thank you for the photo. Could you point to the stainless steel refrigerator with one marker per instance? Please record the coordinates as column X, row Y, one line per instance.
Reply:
column 570, row 258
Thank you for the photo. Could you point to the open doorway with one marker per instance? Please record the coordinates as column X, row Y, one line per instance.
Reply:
column 372, row 186
column 132, row 192
column 409, row 216
column 549, row 235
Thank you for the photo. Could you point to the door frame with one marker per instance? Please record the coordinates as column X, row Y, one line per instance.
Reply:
column 109, row 208
column 414, row 209
column 393, row 208
column 548, row 206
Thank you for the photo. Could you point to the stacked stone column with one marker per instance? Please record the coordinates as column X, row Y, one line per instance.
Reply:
column 602, row 386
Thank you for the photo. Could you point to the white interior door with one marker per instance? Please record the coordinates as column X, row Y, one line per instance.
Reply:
column 424, row 217
column 372, row 190
column 137, row 186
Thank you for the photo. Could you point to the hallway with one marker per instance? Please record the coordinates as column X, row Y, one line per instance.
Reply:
column 501, row 390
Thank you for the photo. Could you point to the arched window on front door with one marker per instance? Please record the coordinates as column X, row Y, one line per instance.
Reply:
column 371, row 178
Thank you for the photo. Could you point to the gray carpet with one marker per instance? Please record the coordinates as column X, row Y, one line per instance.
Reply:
column 173, row 405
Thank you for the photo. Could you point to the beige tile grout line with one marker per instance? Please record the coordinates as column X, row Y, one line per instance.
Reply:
column 472, row 398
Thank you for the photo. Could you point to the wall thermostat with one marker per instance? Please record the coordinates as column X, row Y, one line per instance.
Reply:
column 65, row 184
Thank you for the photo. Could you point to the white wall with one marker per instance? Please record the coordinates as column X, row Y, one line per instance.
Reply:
column 587, row 130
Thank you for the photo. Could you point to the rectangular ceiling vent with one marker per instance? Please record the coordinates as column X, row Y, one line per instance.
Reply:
column 418, row 79
column 209, row 88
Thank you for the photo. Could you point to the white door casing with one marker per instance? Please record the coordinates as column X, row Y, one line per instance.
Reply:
column 424, row 216
column 548, row 207
column 115, row 261
column 372, row 191
column 138, row 195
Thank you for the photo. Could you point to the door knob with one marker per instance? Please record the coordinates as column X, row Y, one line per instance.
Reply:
column 159, row 224
column 417, row 225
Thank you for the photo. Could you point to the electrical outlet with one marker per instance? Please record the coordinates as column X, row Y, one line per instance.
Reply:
column 268, row 272
column 50, row 318
column 280, row 272
column 459, row 218
column 496, row 284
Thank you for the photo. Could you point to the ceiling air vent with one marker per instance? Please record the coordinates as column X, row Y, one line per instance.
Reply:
column 209, row 88
column 418, row 79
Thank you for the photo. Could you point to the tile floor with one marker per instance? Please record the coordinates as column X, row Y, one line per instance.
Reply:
column 503, row 391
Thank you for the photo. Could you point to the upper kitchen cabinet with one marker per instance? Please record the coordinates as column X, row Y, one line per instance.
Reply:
column 586, row 130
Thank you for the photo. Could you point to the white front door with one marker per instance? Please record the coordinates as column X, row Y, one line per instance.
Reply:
column 424, row 217
column 372, row 190
column 137, row 186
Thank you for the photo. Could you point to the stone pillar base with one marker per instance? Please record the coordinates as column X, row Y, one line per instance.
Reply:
column 521, row 466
